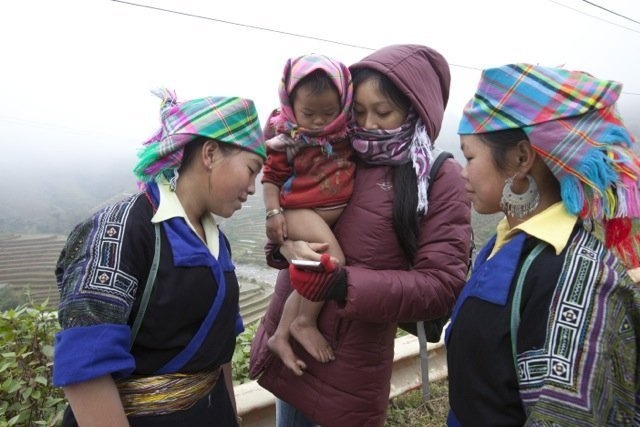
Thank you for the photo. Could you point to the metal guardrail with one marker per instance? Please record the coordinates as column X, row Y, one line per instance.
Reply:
column 256, row 405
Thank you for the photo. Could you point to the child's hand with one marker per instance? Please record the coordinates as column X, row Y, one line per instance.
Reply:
column 280, row 142
column 277, row 229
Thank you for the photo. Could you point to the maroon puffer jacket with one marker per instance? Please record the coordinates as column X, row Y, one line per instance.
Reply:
column 353, row 390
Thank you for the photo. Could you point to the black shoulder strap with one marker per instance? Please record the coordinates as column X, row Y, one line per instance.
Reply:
column 151, row 280
column 433, row 172
column 435, row 167
column 432, row 330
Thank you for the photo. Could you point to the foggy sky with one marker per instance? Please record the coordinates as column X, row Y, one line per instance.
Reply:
column 76, row 75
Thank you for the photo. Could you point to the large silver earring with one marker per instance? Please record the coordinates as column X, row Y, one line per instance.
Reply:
column 520, row 205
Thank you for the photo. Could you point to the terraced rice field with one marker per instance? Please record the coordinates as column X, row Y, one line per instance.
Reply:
column 27, row 264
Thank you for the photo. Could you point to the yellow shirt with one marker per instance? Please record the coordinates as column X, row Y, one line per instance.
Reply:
column 553, row 226
column 170, row 207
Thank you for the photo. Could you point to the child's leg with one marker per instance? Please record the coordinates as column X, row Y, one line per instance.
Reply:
column 305, row 330
column 314, row 226
column 279, row 341
column 306, row 224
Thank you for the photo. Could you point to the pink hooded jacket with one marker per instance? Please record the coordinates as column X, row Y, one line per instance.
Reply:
column 383, row 286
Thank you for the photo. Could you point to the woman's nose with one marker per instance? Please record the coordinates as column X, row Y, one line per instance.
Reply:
column 366, row 121
column 370, row 123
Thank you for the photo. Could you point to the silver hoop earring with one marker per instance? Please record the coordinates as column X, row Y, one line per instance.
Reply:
column 520, row 205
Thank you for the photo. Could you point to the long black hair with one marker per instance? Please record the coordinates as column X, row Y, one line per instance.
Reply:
column 405, row 217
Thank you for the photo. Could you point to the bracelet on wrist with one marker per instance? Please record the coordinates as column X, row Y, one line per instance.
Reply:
column 273, row 212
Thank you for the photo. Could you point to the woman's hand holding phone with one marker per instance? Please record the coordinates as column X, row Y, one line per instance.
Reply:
column 306, row 264
column 317, row 285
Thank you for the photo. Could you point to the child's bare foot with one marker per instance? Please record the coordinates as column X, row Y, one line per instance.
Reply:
column 281, row 347
column 308, row 335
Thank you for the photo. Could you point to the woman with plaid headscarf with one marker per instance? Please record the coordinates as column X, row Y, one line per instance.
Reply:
column 546, row 330
column 148, row 293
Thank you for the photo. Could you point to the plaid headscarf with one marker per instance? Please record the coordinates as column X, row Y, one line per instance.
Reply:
column 229, row 120
column 570, row 118
column 295, row 70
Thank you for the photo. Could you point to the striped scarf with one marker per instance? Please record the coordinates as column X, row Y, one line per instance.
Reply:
column 284, row 121
column 570, row 118
column 408, row 143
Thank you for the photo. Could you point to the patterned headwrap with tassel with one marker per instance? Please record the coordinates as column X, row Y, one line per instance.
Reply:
column 571, row 120
column 284, row 121
column 229, row 120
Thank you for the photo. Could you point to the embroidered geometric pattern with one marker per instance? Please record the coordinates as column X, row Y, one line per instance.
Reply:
column 568, row 324
column 97, row 287
column 102, row 268
column 565, row 382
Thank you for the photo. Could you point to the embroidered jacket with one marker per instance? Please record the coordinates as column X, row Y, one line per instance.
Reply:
column 576, row 350
column 192, row 318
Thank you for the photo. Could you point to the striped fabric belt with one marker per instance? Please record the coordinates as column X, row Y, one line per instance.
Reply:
column 164, row 394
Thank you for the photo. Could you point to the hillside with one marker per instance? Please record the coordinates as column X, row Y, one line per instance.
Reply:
column 34, row 223
column 27, row 261
column 27, row 264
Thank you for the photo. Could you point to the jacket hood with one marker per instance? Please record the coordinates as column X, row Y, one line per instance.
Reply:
column 421, row 73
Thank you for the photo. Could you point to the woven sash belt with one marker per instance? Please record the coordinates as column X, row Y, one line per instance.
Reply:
column 164, row 394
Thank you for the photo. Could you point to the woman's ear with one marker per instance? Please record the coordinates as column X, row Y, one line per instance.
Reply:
column 526, row 157
column 209, row 151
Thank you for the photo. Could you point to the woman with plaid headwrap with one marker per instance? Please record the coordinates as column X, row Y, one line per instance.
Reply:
column 547, row 329
column 148, row 293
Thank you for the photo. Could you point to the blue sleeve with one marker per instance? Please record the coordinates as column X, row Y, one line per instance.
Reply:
column 85, row 353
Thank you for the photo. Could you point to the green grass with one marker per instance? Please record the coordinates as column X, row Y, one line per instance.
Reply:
column 409, row 410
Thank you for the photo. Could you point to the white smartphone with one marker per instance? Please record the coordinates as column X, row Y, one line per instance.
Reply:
column 305, row 264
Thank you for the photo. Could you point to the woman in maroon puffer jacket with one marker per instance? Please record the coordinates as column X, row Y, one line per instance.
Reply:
column 406, row 259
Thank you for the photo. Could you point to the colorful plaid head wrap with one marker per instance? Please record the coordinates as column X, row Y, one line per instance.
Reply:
column 228, row 120
column 295, row 70
column 571, row 120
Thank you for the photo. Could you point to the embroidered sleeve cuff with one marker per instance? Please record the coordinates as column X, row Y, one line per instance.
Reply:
column 84, row 353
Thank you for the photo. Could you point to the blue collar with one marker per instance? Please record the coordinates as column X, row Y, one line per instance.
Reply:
column 491, row 278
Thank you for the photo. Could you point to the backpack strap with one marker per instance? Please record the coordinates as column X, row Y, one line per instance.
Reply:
column 435, row 167
column 516, row 301
column 433, row 172
column 148, row 287
column 420, row 326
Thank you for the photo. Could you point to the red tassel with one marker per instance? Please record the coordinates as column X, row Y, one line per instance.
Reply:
column 616, row 231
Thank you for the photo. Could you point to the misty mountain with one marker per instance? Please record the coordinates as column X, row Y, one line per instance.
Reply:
column 56, row 203
column 55, row 200
column 50, row 198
